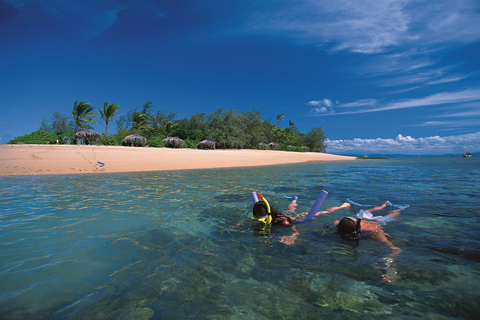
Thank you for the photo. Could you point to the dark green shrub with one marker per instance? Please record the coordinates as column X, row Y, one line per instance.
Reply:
column 156, row 142
column 109, row 141
column 37, row 137
column 191, row 144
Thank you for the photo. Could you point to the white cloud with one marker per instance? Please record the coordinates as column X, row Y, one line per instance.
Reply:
column 359, row 103
column 370, row 26
column 323, row 106
column 453, row 124
column 448, row 79
column 403, row 39
column 371, row 105
column 435, row 99
column 327, row 102
column 320, row 110
column 427, row 77
column 408, row 145
column 471, row 111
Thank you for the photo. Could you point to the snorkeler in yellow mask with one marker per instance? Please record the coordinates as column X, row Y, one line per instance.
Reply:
column 262, row 212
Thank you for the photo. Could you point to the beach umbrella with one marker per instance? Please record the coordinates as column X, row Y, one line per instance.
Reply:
column 291, row 147
column 173, row 142
column 135, row 139
column 274, row 145
column 305, row 148
column 206, row 144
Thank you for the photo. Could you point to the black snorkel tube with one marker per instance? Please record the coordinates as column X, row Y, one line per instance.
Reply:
column 358, row 232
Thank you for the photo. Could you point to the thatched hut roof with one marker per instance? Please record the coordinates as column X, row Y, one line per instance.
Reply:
column 305, row 148
column 206, row 144
column 274, row 145
column 173, row 142
column 291, row 147
column 136, row 139
column 263, row 145
column 88, row 134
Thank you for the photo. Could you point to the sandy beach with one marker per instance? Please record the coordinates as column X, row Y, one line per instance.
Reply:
column 73, row 159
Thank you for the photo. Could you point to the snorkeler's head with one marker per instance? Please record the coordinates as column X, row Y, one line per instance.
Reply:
column 348, row 226
column 260, row 210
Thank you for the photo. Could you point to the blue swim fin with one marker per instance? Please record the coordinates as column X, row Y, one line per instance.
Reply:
column 399, row 206
column 355, row 204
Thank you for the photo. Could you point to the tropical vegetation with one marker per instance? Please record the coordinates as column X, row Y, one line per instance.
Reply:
column 229, row 129
column 108, row 113
column 83, row 115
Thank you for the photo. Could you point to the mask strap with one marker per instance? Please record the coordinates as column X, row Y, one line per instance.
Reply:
column 357, row 225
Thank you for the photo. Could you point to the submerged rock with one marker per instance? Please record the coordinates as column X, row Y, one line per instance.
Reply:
column 339, row 293
column 141, row 313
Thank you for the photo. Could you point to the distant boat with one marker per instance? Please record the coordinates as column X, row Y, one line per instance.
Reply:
column 467, row 155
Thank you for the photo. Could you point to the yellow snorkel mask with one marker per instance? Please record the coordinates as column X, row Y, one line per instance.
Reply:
column 268, row 217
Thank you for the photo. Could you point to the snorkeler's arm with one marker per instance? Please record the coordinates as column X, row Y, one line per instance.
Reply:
column 381, row 236
column 289, row 240
column 240, row 224
column 395, row 213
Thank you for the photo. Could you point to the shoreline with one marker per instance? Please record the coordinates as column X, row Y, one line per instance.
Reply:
column 34, row 159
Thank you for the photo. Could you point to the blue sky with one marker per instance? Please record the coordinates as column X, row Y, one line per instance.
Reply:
column 400, row 76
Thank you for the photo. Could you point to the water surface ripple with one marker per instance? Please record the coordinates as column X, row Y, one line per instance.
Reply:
column 172, row 245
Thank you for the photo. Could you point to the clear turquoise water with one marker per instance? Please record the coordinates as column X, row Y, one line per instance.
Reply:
column 166, row 245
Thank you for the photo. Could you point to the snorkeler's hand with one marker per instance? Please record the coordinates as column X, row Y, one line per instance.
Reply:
column 395, row 251
column 288, row 240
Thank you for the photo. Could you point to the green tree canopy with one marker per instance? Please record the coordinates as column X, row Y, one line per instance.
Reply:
column 316, row 140
column 109, row 113
column 168, row 128
column 59, row 124
column 45, row 126
column 229, row 129
column 146, row 107
column 37, row 137
column 140, row 121
column 161, row 118
column 82, row 115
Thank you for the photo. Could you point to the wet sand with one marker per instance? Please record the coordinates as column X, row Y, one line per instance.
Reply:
column 73, row 159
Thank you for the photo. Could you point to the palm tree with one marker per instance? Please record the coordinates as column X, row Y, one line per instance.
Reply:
column 82, row 114
column 140, row 121
column 280, row 117
column 167, row 129
column 278, row 133
column 108, row 113
column 146, row 107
